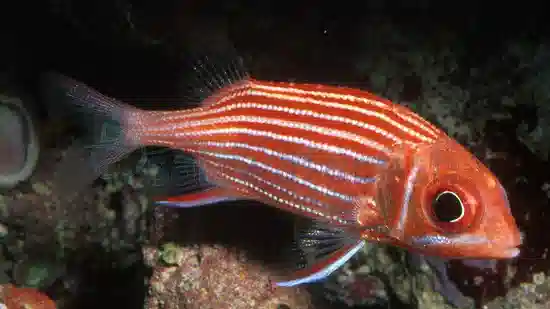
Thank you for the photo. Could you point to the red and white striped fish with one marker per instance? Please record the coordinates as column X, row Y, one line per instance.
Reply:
column 366, row 168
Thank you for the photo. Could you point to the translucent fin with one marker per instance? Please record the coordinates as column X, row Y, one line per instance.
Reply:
column 104, row 133
column 213, row 71
column 442, row 283
column 177, row 173
column 321, row 250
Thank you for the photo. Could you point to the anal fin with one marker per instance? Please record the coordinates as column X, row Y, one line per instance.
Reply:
column 177, row 172
column 200, row 198
column 181, row 181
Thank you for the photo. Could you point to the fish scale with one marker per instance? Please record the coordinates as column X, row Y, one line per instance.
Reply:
column 293, row 170
column 359, row 166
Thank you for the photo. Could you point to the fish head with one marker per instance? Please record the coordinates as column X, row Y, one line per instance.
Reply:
column 441, row 200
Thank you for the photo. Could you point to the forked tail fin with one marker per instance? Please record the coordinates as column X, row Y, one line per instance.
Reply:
column 108, row 133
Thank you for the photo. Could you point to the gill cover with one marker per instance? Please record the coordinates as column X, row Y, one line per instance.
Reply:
column 427, row 190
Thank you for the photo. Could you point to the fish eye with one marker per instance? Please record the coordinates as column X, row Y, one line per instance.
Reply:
column 447, row 207
column 451, row 204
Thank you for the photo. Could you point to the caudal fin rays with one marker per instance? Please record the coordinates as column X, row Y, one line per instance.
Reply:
column 101, row 121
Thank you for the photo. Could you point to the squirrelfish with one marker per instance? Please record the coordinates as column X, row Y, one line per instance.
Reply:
column 363, row 167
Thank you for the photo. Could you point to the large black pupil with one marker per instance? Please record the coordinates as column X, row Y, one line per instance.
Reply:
column 447, row 207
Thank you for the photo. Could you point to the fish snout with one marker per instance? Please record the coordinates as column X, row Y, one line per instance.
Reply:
column 510, row 247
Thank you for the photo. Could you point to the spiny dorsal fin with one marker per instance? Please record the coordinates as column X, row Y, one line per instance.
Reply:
column 207, row 74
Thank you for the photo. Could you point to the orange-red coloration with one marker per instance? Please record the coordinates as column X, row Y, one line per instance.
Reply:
column 24, row 298
column 446, row 165
column 339, row 155
column 440, row 162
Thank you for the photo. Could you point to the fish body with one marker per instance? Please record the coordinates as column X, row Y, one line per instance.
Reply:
column 363, row 167
column 309, row 149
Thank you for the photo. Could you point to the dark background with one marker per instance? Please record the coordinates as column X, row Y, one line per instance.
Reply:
column 142, row 56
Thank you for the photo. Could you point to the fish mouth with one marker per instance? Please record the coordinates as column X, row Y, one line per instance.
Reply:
column 511, row 252
column 511, row 249
column 470, row 245
column 497, row 253
column 514, row 251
